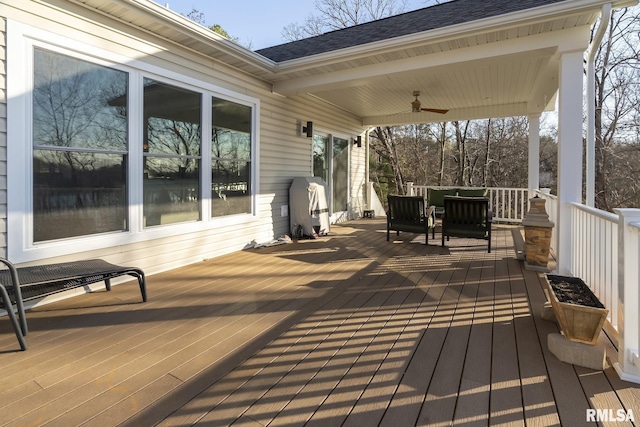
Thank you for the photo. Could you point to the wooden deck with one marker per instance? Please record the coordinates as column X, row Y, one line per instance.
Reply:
column 347, row 330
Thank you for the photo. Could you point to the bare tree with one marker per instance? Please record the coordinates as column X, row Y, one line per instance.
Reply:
column 461, row 156
column 337, row 14
column 385, row 146
column 617, row 74
column 442, row 144
column 198, row 17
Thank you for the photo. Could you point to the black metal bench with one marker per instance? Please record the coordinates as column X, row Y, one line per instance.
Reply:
column 467, row 217
column 18, row 285
column 408, row 213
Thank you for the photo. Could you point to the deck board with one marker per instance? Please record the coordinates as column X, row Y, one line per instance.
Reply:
column 537, row 395
column 472, row 408
column 344, row 330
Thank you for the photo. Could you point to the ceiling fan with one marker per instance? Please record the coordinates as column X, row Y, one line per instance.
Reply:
column 416, row 106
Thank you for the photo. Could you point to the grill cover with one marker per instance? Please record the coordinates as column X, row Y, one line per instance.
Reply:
column 308, row 208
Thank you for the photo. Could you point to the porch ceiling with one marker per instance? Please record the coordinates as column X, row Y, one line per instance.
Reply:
column 504, row 85
column 474, row 72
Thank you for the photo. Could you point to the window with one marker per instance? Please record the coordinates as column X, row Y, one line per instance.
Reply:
column 119, row 151
column 230, row 158
column 79, row 148
column 171, row 154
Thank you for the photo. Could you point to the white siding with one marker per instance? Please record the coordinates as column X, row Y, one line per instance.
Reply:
column 283, row 154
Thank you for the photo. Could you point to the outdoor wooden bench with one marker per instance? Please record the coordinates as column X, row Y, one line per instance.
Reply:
column 467, row 217
column 408, row 213
column 18, row 285
column 435, row 196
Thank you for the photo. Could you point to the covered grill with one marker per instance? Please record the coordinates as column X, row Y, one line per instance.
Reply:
column 308, row 208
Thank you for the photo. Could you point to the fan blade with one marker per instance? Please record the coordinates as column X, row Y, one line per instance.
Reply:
column 435, row 110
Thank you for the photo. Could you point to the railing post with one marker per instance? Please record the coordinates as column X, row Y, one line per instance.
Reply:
column 628, row 366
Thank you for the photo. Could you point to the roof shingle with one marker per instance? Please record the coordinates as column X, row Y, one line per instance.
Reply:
column 439, row 16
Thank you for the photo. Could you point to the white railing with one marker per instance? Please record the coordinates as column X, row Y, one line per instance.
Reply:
column 628, row 280
column 595, row 254
column 507, row 204
column 606, row 256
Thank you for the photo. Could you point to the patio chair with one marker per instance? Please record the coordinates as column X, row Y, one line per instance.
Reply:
column 467, row 217
column 408, row 213
column 18, row 285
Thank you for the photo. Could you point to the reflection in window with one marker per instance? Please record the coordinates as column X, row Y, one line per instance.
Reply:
column 81, row 151
column 321, row 157
column 230, row 158
column 340, row 176
column 80, row 147
column 171, row 154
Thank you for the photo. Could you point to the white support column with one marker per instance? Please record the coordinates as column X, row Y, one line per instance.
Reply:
column 628, row 365
column 534, row 153
column 569, row 151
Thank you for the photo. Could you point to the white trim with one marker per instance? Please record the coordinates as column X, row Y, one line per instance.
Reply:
column 135, row 193
column 205, row 160
column 21, row 39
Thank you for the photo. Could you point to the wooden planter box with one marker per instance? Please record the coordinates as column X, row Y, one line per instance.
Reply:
column 578, row 311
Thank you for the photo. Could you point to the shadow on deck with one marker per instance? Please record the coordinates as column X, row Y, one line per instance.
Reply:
column 345, row 330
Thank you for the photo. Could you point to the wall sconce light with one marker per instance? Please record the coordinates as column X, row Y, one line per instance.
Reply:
column 308, row 129
column 358, row 141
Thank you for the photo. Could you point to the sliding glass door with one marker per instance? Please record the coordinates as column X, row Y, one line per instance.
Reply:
column 331, row 163
column 340, row 174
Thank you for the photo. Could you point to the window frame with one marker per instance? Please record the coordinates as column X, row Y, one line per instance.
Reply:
column 330, row 168
column 80, row 149
column 21, row 41
column 214, row 159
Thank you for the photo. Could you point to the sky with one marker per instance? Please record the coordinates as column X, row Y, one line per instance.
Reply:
column 256, row 23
